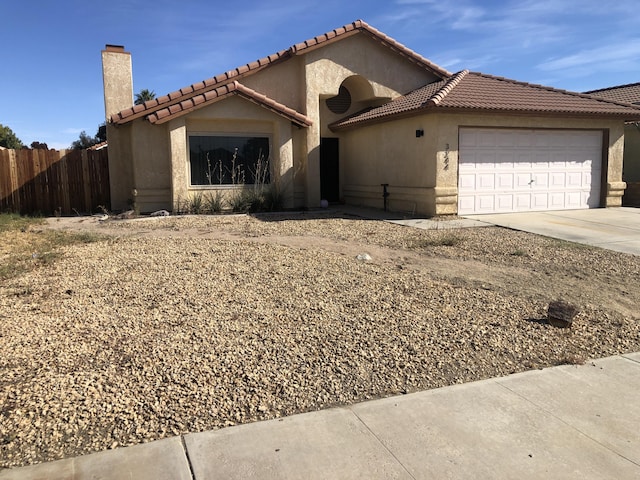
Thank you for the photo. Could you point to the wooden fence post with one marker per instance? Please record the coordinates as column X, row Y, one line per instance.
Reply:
column 86, row 182
column 13, row 168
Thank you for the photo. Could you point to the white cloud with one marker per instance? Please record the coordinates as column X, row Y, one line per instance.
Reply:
column 599, row 58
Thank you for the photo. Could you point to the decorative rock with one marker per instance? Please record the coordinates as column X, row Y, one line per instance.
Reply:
column 363, row 257
column 560, row 313
column 160, row 213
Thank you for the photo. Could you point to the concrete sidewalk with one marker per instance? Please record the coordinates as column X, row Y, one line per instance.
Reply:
column 579, row 422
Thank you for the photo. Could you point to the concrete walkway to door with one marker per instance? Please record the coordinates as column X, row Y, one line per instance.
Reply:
column 611, row 228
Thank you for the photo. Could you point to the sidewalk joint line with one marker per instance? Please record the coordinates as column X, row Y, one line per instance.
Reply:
column 540, row 407
column 383, row 444
column 186, row 454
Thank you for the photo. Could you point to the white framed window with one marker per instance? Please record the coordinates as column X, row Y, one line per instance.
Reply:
column 229, row 159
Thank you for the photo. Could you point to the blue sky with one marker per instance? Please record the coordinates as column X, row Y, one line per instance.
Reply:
column 51, row 76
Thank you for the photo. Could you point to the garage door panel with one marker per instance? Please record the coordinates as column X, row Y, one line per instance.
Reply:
column 557, row 201
column 504, row 181
column 485, row 181
column 540, row 180
column 519, row 170
column 522, row 202
column 485, row 203
column 504, row 203
column 559, row 179
column 574, row 199
column 539, row 201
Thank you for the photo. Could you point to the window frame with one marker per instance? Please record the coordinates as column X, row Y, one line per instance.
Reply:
column 246, row 135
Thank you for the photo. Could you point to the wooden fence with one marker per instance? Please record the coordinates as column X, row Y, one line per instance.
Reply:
column 47, row 182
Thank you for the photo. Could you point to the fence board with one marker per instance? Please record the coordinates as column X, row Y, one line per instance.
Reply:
column 54, row 182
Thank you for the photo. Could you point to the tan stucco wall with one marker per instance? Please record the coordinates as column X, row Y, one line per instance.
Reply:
column 152, row 172
column 422, row 172
column 117, row 80
column 121, row 163
column 388, row 74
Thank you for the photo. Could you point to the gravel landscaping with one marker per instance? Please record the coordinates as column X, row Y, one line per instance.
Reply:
column 182, row 324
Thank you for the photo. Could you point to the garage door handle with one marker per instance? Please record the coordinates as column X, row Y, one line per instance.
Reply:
column 531, row 182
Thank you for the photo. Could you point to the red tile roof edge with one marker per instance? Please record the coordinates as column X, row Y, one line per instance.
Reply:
column 215, row 95
column 599, row 90
column 138, row 111
column 361, row 25
column 552, row 89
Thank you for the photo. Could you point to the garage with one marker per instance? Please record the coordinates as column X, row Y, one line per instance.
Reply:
column 516, row 170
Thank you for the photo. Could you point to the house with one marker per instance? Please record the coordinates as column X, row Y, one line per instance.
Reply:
column 340, row 115
column 631, row 163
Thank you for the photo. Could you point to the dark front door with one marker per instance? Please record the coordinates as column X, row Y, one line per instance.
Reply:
column 329, row 169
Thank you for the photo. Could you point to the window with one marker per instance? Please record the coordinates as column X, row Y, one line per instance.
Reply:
column 341, row 102
column 229, row 160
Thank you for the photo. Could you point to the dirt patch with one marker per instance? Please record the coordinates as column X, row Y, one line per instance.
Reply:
column 185, row 324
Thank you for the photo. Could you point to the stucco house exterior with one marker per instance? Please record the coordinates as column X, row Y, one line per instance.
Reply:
column 339, row 115
column 629, row 93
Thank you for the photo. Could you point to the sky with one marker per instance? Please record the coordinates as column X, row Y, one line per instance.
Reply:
column 51, row 73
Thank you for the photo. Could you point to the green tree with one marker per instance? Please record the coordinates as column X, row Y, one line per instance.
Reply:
column 39, row 146
column 84, row 141
column 101, row 134
column 144, row 96
column 8, row 139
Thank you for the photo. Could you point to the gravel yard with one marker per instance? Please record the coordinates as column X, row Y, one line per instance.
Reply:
column 184, row 324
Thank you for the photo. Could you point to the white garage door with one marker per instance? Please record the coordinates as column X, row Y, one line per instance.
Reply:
column 513, row 170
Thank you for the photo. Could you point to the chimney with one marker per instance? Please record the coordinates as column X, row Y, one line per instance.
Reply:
column 117, row 78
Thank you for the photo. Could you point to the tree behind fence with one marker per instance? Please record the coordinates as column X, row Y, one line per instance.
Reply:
column 47, row 182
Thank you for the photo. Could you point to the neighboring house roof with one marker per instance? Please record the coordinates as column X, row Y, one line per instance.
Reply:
column 234, row 88
column 629, row 93
column 477, row 91
column 98, row 146
column 200, row 88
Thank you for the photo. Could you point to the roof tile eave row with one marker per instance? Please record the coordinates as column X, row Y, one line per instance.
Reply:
column 233, row 88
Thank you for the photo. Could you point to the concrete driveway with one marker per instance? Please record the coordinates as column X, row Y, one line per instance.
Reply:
column 611, row 228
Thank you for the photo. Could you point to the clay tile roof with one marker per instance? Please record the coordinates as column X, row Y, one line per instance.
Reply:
column 481, row 92
column 224, row 91
column 629, row 93
column 212, row 83
column 362, row 26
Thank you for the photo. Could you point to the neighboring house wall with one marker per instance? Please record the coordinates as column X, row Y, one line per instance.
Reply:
column 422, row 172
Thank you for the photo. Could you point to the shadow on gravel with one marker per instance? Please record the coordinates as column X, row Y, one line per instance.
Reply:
column 345, row 213
column 539, row 321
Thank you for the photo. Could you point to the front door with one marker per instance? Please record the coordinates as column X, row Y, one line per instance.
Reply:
column 329, row 170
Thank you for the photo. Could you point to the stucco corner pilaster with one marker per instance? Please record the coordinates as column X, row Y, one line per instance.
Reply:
column 179, row 161
column 615, row 191
column 446, row 200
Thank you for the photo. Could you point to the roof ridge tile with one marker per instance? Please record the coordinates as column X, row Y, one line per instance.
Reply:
column 447, row 87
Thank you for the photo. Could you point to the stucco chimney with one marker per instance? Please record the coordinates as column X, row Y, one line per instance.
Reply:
column 117, row 78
